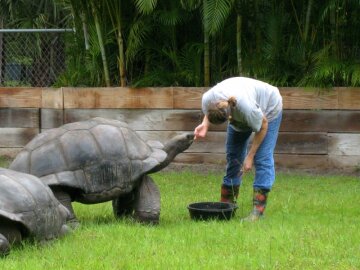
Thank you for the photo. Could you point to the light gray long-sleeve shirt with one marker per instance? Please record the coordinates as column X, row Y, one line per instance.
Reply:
column 254, row 99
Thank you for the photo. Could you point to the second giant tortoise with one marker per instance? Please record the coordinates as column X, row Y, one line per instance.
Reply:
column 28, row 209
column 100, row 160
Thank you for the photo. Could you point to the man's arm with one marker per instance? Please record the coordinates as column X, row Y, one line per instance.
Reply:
column 258, row 138
column 201, row 130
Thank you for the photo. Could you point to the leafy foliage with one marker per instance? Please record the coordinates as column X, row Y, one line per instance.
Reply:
column 161, row 42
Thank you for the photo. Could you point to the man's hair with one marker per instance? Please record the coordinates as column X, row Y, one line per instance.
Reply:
column 218, row 113
column 217, row 116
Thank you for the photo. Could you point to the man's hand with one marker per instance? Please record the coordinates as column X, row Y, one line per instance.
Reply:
column 248, row 163
column 201, row 130
column 258, row 138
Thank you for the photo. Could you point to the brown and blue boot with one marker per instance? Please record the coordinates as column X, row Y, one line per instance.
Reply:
column 229, row 194
column 259, row 202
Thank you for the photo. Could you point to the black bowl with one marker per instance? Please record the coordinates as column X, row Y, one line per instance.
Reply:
column 212, row 210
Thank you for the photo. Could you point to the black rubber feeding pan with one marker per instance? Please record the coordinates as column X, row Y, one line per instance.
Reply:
column 212, row 210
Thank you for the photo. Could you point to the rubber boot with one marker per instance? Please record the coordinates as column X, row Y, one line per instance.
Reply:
column 259, row 202
column 229, row 194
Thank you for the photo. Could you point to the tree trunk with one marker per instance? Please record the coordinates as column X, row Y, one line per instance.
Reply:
column 101, row 45
column 257, row 28
column 297, row 20
column 307, row 22
column 85, row 30
column 121, row 59
column 206, row 47
column 333, row 31
column 114, row 10
column 238, row 43
column 2, row 63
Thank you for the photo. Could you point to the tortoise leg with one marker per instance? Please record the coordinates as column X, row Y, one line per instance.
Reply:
column 124, row 205
column 4, row 246
column 65, row 199
column 9, row 234
column 147, row 202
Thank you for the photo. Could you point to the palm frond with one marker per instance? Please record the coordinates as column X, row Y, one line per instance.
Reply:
column 353, row 71
column 190, row 5
column 190, row 64
column 145, row 6
column 169, row 17
column 139, row 31
column 216, row 12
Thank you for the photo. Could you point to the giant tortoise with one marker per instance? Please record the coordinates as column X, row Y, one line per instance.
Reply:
column 28, row 209
column 99, row 160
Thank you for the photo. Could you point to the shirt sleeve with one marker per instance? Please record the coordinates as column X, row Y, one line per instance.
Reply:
column 206, row 100
column 255, row 119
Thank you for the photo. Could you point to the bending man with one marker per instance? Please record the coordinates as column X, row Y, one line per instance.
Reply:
column 249, row 106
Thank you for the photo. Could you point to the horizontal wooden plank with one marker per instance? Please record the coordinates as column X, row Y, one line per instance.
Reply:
column 309, row 98
column 302, row 143
column 52, row 118
column 52, row 98
column 214, row 143
column 283, row 162
column 10, row 152
column 188, row 97
column 293, row 98
column 19, row 118
column 293, row 120
column 200, row 158
column 346, row 163
column 288, row 143
column 20, row 97
column 309, row 163
column 165, row 97
column 16, row 137
column 140, row 119
column 344, row 144
column 349, row 98
column 321, row 121
column 118, row 97
column 302, row 162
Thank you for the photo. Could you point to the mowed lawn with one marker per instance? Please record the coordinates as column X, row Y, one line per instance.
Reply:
column 312, row 222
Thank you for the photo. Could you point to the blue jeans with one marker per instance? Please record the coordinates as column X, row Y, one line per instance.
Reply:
column 236, row 151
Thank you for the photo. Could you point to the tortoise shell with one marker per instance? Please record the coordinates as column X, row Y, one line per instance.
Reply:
column 26, row 200
column 97, row 160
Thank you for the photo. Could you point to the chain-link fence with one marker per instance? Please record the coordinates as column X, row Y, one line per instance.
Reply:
column 32, row 57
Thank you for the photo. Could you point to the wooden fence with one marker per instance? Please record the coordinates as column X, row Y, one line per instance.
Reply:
column 320, row 129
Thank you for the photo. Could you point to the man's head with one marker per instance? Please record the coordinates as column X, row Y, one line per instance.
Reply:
column 220, row 112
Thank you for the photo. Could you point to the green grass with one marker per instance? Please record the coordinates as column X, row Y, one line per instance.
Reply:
column 311, row 222
column 4, row 161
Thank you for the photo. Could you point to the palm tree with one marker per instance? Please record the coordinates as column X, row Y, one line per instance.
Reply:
column 155, row 45
column 214, row 14
column 115, row 14
column 90, row 12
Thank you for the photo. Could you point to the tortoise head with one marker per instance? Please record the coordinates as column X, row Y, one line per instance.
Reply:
column 173, row 147
column 178, row 144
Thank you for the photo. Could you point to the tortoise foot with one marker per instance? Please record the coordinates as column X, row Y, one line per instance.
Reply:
column 4, row 246
column 123, row 206
column 147, row 218
column 72, row 224
column 65, row 229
